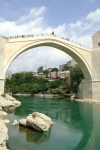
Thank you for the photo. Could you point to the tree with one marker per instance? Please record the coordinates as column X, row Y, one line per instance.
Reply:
column 40, row 69
column 54, row 70
column 65, row 67
column 54, row 84
column 46, row 72
column 77, row 74
column 35, row 88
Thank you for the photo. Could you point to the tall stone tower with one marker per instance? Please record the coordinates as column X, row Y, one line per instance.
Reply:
column 2, row 77
column 96, row 65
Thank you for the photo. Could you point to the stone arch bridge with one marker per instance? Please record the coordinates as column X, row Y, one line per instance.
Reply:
column 87, row 59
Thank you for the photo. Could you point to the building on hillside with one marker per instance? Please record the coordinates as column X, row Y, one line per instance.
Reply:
column 53, row 75
column 36, row 74
column 59, row 74
column 8, row 75
column 63, row 74
column 61, row 67
column 49, row 69
column 71, row 63
column 41, row 75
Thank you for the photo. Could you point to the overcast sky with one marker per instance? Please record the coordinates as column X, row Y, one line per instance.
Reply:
column 74, row 19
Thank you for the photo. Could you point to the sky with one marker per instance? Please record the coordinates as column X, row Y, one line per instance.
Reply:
column 77, row 20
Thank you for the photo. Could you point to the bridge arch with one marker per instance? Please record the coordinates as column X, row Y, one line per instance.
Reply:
column 77, row 52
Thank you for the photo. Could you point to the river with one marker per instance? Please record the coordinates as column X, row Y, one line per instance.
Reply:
column 77, row 125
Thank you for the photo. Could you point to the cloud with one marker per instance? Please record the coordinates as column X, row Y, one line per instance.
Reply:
column 33, row 13
column 34, row 23
column 45, row 56
column 94, row 16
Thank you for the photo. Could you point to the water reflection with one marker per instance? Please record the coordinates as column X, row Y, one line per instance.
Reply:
column 90, row 116
column 35, row 136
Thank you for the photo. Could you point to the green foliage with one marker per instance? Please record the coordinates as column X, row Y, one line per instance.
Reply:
column 40, row 69
column 54, row 84
column 65, row 67
column 76, row 74
column 25, row 82
column 46, row 72
column 54, row 70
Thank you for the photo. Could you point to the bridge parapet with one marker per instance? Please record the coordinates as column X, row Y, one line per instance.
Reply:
column 31, row 37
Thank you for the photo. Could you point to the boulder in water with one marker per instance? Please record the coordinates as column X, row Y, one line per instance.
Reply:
column 37, row 121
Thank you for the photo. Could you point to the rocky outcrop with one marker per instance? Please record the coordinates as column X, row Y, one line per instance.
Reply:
column 7, row 121
column 72, row 97
column 9, row 103
column 37, row 121
column 6, row 103
column 3, row 134
column 16, row 122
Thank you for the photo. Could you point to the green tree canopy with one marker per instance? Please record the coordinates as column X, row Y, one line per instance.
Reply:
column 40, row 69
column 46, row 72
column 65, row 67
column 54, row 70
column 77, row 74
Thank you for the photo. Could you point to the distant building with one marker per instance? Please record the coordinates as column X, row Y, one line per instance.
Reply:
column 64, row 74
column 54, row 75
column 35, row 74
column 8, row 75
column 41, row 75
column 49, row 69
column 71, row 63
column 59, row 74
column 61, row 67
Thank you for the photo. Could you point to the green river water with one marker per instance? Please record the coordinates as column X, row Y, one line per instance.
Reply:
column 77, row 126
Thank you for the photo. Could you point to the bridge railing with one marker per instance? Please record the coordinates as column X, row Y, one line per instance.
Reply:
column 31, row 35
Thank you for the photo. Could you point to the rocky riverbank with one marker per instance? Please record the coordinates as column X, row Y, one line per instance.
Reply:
column 7, row 103
column 46, row 95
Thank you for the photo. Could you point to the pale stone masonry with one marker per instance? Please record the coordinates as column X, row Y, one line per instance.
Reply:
column 70, row 63
column 87, row 59
column 96, row 40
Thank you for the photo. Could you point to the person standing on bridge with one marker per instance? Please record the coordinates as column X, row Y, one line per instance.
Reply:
column 52, row 33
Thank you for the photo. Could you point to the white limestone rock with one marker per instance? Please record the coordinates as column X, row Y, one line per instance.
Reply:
column 16, row 122
column 23, row 122
column 1, row 115
column 3, row 134
column 37, row 121
column 6, row 103
column 9, row 103
column 7, row 121
column 8, row 97
column 0, row 108
column 4, row 113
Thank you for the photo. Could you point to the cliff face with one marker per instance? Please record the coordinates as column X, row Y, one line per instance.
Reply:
column 6, row 103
